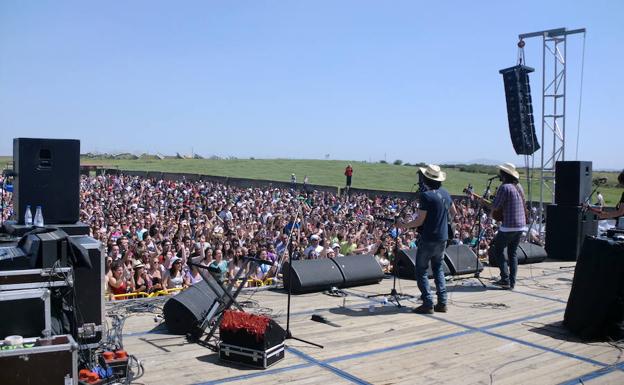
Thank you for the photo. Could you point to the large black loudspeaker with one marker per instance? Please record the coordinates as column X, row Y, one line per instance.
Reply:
column 359, row 270
column 595, row 308
column 48, row 175
column 185, row 311
column 310, row 275
column 89, row 288
column 406, row 265
column 566, row 228
column 462, row 260
column 520, row 109
column 527, row 253
column 573, row 182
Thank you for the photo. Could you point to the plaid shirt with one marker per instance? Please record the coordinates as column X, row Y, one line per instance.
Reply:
column 511, row 199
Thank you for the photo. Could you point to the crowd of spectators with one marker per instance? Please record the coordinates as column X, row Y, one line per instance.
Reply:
column 152, row 228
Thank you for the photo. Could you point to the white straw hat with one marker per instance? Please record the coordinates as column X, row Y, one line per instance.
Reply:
column 433, row 172
column 510, row 169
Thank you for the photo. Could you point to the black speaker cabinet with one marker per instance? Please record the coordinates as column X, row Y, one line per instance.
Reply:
column 359, row 270
column 527, row 253
column 89, row 288
column 48, row 175
column 595, row 308
column 406, row 264
column 573, row 182
column 185, row 311
column 309, row 275
column 462, row 260
column 566, row 228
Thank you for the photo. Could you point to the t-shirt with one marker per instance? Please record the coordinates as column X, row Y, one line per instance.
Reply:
column 347, row 248
column 218, row 270
column 313, row 252
column 436, row 203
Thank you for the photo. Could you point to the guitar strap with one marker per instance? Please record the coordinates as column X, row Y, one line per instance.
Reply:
column 526, row 211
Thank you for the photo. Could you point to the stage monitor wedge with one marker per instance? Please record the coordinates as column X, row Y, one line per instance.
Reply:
column 406, row 265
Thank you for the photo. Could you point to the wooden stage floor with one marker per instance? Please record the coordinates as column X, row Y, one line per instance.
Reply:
column 489, row 336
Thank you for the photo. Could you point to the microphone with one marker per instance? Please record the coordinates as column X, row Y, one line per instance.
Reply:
column 492, row 178
column 258, row 261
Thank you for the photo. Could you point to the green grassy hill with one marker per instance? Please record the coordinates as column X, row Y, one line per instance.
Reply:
column 376, row 176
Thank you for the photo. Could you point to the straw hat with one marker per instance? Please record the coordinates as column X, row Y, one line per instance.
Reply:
column 510, row 169
column 433, row 172
column 136, row 264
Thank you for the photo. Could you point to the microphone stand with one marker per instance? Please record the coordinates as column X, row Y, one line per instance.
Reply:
column 479, row 226
column 395, row 268
column 288, row 333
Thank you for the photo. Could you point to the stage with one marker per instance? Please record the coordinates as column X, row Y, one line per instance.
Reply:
column 489, row 336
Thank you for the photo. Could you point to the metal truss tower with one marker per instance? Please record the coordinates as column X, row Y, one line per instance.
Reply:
column 553, row 108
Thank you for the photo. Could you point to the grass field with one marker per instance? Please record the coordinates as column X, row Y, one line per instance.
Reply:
column 376, row 176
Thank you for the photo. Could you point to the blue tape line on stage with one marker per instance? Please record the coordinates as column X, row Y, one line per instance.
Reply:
column 399, row 347
column 332, row 369
column 469, row 330
column 164, row 330
column 593, row 375
column 258, row 374
column 486, row 330
column 523, row 319
column 541, row 297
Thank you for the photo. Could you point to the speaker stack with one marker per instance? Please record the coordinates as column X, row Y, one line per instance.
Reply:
column 567, row 223
column 48, row 175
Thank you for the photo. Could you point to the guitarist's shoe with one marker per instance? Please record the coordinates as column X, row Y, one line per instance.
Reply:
column 422, row 309
column 503, row 284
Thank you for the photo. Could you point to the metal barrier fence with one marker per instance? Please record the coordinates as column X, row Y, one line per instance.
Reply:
column 251, row 282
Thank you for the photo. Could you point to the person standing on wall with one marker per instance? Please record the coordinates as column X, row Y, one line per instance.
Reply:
column 348, row 173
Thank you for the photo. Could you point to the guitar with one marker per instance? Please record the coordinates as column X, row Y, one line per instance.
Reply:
column 497, row 214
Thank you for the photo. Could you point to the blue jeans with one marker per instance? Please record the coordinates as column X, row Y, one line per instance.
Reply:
column 509, row 240
column 434, row 252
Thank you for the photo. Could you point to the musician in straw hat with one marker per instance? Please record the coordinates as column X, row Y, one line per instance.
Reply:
column 509, row 201
column 433, row 214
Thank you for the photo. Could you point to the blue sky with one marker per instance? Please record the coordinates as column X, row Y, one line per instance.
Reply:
column 358, row 80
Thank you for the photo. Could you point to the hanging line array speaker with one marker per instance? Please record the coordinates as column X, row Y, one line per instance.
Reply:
column 520, row 109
